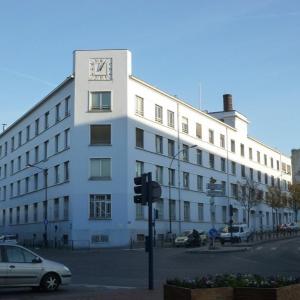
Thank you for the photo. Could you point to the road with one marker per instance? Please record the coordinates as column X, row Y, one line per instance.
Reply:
column 125, row 270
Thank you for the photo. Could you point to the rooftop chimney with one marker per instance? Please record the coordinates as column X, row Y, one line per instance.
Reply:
column 227, row 102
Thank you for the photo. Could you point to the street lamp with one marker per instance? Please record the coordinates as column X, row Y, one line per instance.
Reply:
column 173, row 157
column 45, row 172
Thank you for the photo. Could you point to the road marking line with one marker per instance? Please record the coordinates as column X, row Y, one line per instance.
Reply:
column 274, row 248
column 259, row 248
column 298, row 248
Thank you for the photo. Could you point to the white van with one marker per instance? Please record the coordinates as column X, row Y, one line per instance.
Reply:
column 238, row 233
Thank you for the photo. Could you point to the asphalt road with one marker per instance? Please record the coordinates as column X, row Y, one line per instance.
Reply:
column 108, row 270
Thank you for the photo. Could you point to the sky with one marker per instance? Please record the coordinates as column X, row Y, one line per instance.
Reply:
column 250, row 49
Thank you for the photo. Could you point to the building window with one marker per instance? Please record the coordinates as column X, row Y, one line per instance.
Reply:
column 171, row 148
column 198, row 131
column 100, row 134
column 171, row 177
column 46, row 143
column 139, row 211
column 26, row 184
column 242, row 150
column 100, row 168
column 172, row 209
column 37, row 127
column 12, row 144
column 222, row 140
column 251, row 174
column 201, row 212
column 57, row 112
column 26, row 213
column 258, row 156
column 186, row 180
column 158, row 113
column 211, row 161
column 36, row 181
column 139, row 138
column 36, row 154
column 243, row 171
column 185, row 125
column 272, row 163
column 100, row 206
column 200, row 183
column 35, row 212
column 27, row 158
column 10, row 216
column 233, row 168
column 67, row 138
column 66, row 170
column 56, row 146
column 258, row 176
column 66, row 208
column 20, row 138
column 186, row 211
column 139, row 105
column 234, row 190
column 265, row 159
column 67, row 106
column 159, row 174
column 199, row 157
column 185, row 152
column 19, row 163
column 171, row 121
column 266, row 178
column 223, row 164
column 277, row 163
column 12, row 167
column 160, row 208
column 250, row 154
column 18, row 187
column 5, row 148
column 27, row 133
column 18, row 215
column 232, row 146
column 223, row 187
column 159, row 144
column 56, row 209
column 139, row 168
column 211, row 136
column 100, row 101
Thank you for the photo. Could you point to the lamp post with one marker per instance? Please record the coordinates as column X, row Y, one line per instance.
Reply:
column 173, row 157
column 45, row 172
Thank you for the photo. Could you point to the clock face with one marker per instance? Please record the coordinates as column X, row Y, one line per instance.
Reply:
column 100, row 69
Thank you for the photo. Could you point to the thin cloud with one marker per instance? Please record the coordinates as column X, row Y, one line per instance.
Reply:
column 28, row 76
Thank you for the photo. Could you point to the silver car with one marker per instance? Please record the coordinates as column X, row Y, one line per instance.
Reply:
column 22, row 267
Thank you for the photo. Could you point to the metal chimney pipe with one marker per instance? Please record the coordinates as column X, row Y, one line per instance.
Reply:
column 227, row 102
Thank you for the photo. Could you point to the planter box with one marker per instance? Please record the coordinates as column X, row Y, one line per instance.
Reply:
column 290, row 292
column 172, row 292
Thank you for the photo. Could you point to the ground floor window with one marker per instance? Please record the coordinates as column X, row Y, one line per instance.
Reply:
column 100, row 206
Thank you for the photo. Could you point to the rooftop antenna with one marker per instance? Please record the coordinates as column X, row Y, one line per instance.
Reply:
column 3, row 127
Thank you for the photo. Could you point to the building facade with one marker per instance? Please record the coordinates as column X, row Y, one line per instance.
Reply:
column 67, row 165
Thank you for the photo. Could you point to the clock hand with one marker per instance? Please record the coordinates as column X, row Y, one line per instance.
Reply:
column 101, row 67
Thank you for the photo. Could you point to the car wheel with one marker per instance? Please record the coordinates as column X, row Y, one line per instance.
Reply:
column 50, row 282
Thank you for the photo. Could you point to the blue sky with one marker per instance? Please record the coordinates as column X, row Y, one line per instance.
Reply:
column 247, row 48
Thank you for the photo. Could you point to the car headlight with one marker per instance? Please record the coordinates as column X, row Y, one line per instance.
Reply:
column 66, row 269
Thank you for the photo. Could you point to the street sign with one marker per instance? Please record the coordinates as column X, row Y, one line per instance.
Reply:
column 215, row 193
column 214, row 186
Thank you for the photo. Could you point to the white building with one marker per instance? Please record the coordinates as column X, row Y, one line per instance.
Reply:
column 99, row 129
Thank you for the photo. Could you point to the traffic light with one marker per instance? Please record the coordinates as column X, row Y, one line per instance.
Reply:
column 155, row 191
column 140, row 189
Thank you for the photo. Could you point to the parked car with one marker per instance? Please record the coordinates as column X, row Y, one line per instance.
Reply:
column 293, row 226
column 8, row 238
column 236, row 233
column 22, row 267
column 191, row 238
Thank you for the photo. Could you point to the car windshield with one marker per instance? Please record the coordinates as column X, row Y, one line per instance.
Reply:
column 232, row 229
column 186, row 233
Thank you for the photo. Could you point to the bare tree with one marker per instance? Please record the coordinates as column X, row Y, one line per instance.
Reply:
column 294, row 198
column 249, row 195
column 275, row 201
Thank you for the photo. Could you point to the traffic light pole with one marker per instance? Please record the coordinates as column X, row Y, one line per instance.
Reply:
column 150, row 233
